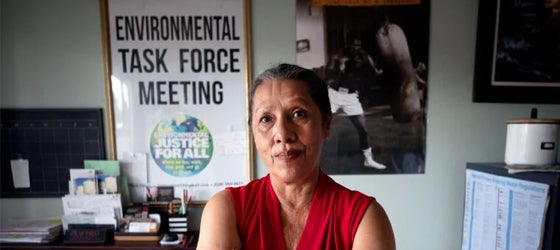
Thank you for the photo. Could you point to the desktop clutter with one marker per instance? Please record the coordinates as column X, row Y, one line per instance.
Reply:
column 98, row 210
column 141, row 221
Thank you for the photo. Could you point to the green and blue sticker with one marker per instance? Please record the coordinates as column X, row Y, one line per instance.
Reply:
column 182, row 145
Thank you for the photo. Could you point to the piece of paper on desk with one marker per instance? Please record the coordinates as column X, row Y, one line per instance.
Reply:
column 514, row 169
column 89, row 218
column 20, row 173
column 76, row 173
column 143, row 227
column 38, row 225
column 501, row 212
column 135, row 167
column 98, row 204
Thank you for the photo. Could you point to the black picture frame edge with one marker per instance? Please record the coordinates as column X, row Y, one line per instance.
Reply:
column 483, row 91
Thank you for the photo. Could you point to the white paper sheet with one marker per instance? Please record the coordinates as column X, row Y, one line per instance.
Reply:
column 134, row 166
column 76, row 173
column 101, row 204
column 20, row 173
column 231, row 143
column 503, row 213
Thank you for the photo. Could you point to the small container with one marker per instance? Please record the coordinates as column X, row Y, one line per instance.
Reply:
column 532, row 141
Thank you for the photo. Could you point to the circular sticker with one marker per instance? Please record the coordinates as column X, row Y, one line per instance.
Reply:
column 182, row 145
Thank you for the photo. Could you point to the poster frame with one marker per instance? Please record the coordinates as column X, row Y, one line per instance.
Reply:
column 331, row 27
column 485, row 88
column 246, row 70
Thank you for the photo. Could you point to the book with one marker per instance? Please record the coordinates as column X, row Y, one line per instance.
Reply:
column 138, row 237
column 40, row 230
column 38, row 225
column 28, row 238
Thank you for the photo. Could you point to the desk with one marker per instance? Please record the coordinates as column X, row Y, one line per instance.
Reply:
column 111, row 246
column 92, row 247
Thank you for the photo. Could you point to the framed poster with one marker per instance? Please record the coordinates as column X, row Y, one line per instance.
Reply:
column 374, row 57
column 177, row 81
column 517, row 52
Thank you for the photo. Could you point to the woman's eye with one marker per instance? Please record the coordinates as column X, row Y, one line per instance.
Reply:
column 265, row 119
column 299, row 113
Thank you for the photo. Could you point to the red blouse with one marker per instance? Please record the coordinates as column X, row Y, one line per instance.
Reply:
column 333, row 219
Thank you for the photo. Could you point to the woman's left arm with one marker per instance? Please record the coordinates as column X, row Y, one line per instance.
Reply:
column 218, row 228
column 374, row 231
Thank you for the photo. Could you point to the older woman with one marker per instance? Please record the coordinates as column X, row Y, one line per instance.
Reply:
column 295, row 206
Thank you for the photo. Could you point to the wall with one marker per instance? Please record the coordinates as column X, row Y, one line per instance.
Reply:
column 51, row 57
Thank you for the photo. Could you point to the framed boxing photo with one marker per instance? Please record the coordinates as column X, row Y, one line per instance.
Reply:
column 373, row 55
column 173, row 69
column 517, row 52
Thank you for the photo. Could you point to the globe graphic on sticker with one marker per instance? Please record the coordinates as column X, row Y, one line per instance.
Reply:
column 181, row 145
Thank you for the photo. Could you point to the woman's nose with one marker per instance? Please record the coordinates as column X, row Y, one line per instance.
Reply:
column 284, row 132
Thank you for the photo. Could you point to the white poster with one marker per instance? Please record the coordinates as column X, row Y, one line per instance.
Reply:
column 503, row 213
column 179, row 77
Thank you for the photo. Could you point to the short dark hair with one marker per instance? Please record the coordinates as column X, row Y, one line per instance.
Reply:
column 317, row 87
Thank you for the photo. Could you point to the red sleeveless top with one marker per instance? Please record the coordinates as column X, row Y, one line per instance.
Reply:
column 333, row 219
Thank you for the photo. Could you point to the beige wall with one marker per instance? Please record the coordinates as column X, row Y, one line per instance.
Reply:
column 51, row 56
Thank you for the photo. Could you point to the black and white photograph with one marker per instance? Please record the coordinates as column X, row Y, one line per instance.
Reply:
column 302, row 45
column 374, row 58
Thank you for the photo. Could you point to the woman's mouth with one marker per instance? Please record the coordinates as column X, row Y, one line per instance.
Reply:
column 288, row 155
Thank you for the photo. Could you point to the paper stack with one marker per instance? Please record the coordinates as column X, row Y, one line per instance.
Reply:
column 94, row 195
column 518, row 168
column 92, row 209
column 40, row 230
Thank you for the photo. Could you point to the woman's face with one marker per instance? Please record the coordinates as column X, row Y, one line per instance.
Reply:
column 287, row 129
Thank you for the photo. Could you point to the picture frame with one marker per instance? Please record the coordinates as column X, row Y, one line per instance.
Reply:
column 525, row 73
column 363, row 50
column 172, row 69
column 302, row 45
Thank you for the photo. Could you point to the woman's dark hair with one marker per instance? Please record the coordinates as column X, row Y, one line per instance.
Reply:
column 317, row 87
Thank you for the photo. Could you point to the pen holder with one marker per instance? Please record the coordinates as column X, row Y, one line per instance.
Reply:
column 178, row 223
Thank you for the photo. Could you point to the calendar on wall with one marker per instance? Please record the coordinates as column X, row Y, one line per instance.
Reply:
column 51, row 141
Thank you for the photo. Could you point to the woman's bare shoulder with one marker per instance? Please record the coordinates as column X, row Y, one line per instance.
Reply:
column 218, row 226
column 375, row 230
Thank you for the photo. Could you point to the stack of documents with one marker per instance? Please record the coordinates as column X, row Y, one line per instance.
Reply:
column 514, row 169
column 100, row 209
column 41, row 230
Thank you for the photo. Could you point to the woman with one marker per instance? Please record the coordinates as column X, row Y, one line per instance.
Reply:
column 296, row 206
